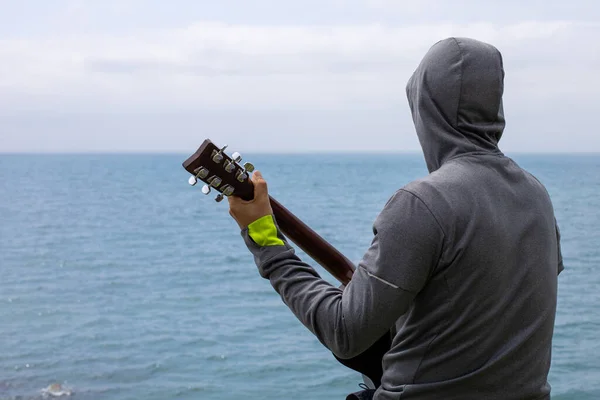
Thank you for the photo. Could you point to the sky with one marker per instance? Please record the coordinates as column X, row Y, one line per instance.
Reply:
column 280, row 76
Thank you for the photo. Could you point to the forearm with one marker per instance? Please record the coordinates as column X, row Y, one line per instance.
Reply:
column 315, row 302
column 346, row 322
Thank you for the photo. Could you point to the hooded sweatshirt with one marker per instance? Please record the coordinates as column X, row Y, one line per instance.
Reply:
column 463, row 264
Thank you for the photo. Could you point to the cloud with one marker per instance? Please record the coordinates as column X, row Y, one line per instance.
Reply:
column 219, row 65
column 106, row 81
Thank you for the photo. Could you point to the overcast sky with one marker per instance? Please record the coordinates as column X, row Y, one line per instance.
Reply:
column 275, row 75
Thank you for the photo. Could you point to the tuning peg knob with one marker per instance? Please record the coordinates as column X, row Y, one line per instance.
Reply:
column 229, row 166
column 249, row 167
column 192, row 181
column 219, row 198
column 217, row 158
column 206, row 189
column 228, row 190
column 242, row 176
column 237, row 157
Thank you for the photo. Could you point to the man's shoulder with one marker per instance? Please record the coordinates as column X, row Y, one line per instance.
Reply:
column 448, row 177
column 430, row 190
column 448, row 191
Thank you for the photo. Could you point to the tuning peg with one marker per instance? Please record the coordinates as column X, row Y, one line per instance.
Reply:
column 215, row 181
column 229, row 166
column 228, row 190
column 218, row 155
column 241, row 176
column 201, row 172
column 237, row 157
column 249, row 167
column 206, row 189
column 219, row 198
column 192, row 181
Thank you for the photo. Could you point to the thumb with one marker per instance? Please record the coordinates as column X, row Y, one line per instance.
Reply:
column 256, row 176
column 260, row 185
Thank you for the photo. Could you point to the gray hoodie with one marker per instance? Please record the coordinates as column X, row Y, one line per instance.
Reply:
column 463, row 264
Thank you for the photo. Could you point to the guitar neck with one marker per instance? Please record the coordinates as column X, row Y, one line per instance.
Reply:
column 312, row 244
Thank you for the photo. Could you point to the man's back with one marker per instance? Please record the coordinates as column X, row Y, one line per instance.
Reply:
column 482, row 326
column 463, row 262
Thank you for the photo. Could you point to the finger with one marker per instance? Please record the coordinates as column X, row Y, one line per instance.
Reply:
column 260, row 189
column 260, row 185
column 257, row 175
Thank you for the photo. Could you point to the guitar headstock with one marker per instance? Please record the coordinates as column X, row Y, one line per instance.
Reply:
column 219, row 171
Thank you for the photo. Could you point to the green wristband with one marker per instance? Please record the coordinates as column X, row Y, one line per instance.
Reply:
column 264, row 232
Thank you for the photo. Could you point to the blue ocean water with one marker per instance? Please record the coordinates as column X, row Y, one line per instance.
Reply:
column 120, row 281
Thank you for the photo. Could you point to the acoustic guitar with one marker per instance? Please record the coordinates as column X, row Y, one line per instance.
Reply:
column 224, row 174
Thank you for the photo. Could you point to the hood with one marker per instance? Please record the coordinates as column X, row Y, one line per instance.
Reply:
column 455, row 96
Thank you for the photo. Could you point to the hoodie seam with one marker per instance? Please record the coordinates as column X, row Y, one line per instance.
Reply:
column 498, row 154
column 445, row 239
column 462, row 72
column 460, row 92
column 428, row 209
column 448, row 299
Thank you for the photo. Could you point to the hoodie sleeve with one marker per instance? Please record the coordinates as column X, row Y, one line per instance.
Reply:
column 561, row 266
column 405, row 249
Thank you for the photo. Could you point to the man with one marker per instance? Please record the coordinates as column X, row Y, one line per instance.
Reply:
column 464, row 262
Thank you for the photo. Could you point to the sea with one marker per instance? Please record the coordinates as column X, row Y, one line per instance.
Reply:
column 120, row 281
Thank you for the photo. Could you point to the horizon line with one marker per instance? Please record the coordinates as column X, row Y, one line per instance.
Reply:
column 277, row 152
